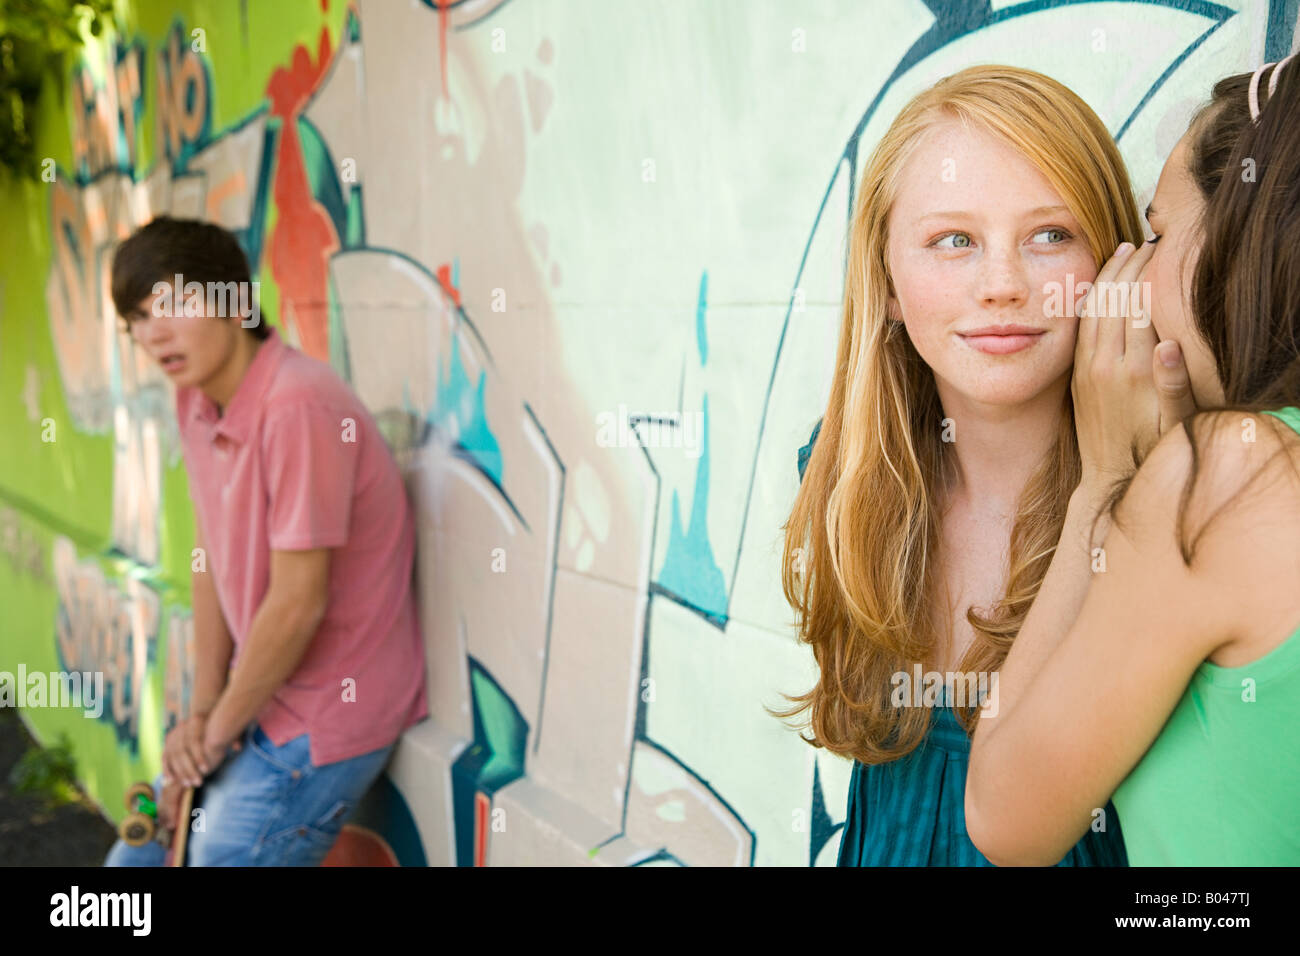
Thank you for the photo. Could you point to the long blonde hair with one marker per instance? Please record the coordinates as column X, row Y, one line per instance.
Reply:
column 862, row 537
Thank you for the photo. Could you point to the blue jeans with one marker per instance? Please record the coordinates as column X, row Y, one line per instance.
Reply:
column 267, row 806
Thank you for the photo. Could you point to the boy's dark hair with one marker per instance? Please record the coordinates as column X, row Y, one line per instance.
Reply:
column 198, row 251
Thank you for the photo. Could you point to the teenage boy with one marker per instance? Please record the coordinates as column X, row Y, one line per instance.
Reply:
column 309, row 659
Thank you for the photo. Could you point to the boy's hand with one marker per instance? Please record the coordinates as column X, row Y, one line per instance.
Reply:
column 215, row 749
column 184, row 761
column 190, row 753
column 169, row 804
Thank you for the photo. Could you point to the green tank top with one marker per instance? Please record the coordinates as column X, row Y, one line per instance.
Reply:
column 1220, row 786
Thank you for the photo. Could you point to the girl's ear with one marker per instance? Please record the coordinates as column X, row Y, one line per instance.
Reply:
column 892, row 310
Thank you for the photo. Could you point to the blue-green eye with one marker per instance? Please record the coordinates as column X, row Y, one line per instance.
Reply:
column 954, row 236
column 1062, row 235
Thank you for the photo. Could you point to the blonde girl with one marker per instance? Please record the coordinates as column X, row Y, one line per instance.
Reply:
column 934, row 488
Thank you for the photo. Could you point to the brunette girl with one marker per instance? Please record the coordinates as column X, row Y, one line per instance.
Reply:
column 1169, row 676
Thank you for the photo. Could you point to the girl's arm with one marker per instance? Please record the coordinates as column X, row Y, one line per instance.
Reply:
column 1123, row 400
column 1041, row 770
column 1060, row 599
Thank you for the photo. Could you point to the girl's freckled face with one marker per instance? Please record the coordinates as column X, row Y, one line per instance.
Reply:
column 980, row 242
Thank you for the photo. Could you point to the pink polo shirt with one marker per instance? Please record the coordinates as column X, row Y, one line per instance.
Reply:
column 296, row 462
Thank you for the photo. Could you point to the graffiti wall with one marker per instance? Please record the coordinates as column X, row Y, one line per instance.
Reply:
column 583, row 261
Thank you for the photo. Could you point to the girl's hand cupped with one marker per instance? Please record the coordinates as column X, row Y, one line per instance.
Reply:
column 1125, row 397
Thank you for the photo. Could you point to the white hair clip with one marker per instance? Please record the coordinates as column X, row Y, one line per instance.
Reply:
column 1272, row 85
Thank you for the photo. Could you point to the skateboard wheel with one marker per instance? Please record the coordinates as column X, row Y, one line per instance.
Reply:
column 136, row 830
column 138, row 790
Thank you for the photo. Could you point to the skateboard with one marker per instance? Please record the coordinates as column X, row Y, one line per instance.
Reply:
column 141, row 823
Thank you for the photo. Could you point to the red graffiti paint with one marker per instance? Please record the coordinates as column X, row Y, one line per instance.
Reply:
column 304, row 236
column 359, row 846
column 442, row 6
column 482, row 813
column 444, row 280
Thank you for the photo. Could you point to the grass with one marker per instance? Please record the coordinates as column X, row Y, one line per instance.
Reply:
column 48, row 773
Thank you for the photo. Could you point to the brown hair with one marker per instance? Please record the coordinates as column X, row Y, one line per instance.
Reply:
column 1246, row 281
column 198, row 251
column 861, row 539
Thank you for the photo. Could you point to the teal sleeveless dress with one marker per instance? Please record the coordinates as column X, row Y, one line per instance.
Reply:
column 912, row 811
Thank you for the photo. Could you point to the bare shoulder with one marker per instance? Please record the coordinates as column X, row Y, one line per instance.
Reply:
column 1250, row 460
column 1214, row 512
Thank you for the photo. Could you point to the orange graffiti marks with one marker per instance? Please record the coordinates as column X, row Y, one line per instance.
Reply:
column 181, row 87
column 304, row 237
column 444, row 280
column 442, row 42
column 84, row 221
column 71, row 244
column 104, row 119
column 21, row 546
column 482, row 815
column 104, row 202
column 358, row 846
column 179, row 679
column 128, row 94
column 102, row 628
column 233, row 187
